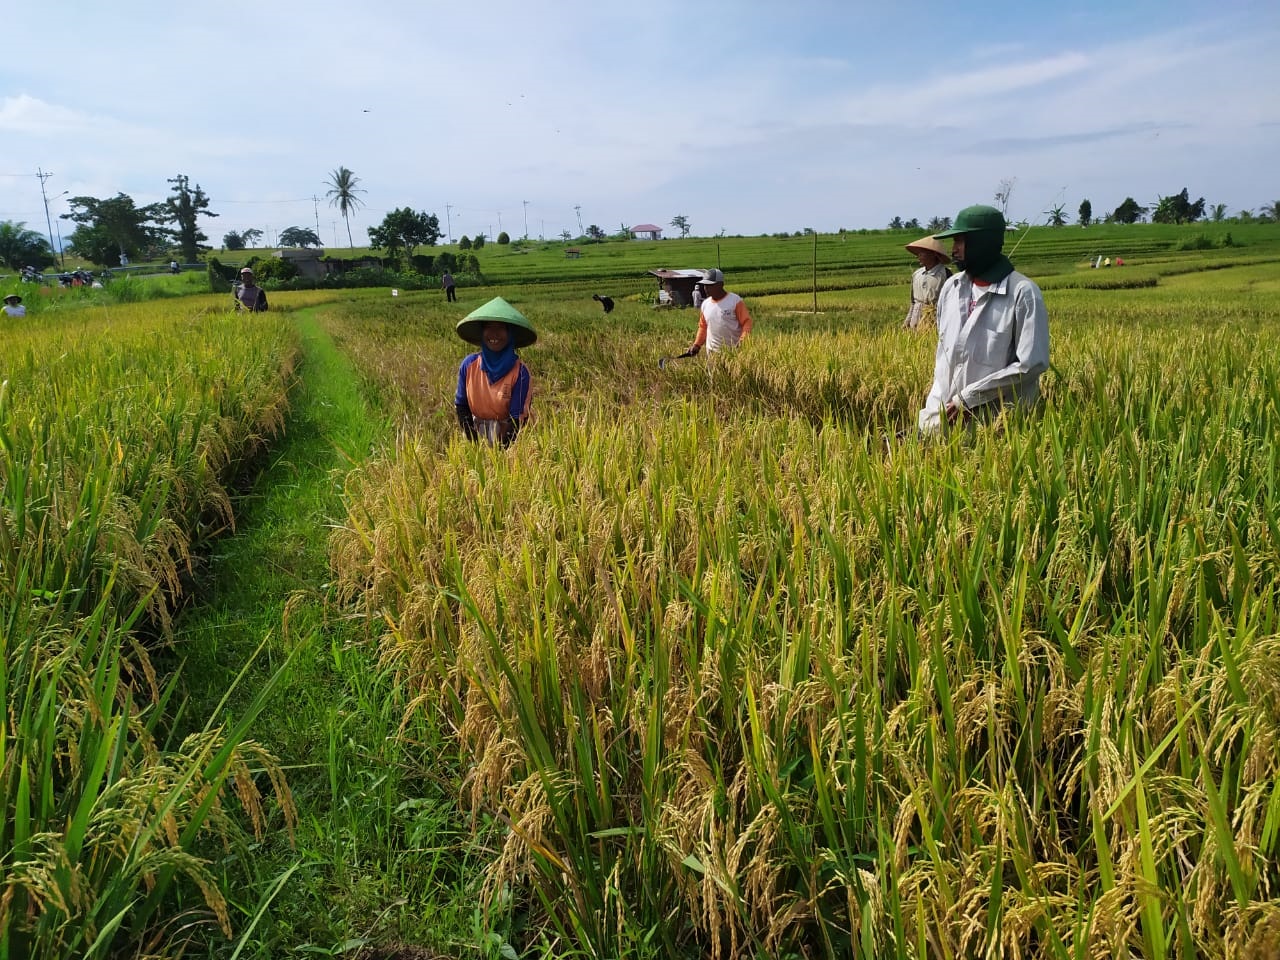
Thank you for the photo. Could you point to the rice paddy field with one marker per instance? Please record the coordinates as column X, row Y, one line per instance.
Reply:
column 710, row 662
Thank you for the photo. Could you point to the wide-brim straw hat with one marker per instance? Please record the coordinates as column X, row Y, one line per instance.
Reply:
column 471, row 327
column 932, row 245
column 14, row 297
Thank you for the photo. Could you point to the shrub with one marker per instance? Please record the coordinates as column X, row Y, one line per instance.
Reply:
column 503, row 238
column 1196, row 242
column 423, row 264
column 274, row 268
column 464, row 243
column 221, row 277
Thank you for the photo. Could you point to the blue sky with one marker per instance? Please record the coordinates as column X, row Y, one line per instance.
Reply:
column 746, row 117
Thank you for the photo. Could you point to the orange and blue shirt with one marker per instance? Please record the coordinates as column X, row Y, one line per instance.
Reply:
column 502, row 399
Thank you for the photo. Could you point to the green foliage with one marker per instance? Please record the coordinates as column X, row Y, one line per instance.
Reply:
column 20, row 247
column 423, row 264
column 1178, row 208
column 464, row 243
column 681, row 223
column 1129, row 211
column 404, row 230
column 298, row 237
column 478, row 242
column 504, row 239
column 344, row 193
column 267, row 269
column 1085, row 213
column 183, row 208
column 221, row 276
column 1203, row 241
column 251, row 236
column 110, row 227
column 233, row 241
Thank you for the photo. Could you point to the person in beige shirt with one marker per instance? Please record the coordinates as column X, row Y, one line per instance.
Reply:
column 926, row 282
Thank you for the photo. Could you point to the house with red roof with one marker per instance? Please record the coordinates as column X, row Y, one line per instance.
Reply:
column 646, row 231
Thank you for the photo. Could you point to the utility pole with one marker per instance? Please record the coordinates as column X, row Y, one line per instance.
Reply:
column 47, row 221
column 526, row 218
column 448, row 221
column 316, row 200
column 577, row 208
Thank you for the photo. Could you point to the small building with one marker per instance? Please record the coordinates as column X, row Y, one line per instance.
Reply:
column 573, row 253
column 675, row 287
column 646, row 231
column 307, row 260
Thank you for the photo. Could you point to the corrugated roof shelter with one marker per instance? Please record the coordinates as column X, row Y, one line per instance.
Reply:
column 646, row 231
column 678, row 285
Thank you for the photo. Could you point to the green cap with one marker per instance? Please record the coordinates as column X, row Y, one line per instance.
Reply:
column 471, row 327
column 973, row 219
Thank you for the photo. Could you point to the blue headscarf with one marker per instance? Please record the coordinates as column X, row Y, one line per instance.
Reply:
column 498, row 363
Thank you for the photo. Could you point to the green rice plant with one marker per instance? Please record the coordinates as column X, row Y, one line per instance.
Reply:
column 118, row 435
column 744, row 674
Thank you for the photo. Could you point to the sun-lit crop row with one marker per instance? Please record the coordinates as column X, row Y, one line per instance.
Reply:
column 120, row 431
column 747, row 675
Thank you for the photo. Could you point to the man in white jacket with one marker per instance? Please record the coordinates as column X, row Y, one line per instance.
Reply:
column 993, row 330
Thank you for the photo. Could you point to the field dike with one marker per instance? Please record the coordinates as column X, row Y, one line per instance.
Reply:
column 380, row 856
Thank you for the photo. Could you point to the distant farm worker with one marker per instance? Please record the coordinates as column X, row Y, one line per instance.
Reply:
column 606, row 302
column 926, row 282
column 13, row 306
column 492, row 399
column 723, row 321
column 993, row 329
column 447, row 282
column 249, row 296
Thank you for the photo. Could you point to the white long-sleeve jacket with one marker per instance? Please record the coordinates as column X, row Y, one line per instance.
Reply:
column 993, row 345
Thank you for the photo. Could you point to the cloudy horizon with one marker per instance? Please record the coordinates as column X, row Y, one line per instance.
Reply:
column 743, row 117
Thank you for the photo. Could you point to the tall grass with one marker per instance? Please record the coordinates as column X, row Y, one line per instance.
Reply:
column 744, row 677
column 119, row 432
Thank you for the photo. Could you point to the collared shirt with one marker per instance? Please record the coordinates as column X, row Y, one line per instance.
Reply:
column 926, row 284
column 993, row 345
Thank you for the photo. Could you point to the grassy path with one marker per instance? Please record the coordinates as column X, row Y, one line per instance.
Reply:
column 378, row 837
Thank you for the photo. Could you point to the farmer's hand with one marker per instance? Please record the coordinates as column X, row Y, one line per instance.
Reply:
column 957, row 412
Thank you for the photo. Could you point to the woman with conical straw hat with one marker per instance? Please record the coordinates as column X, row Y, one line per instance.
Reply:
column 926, row 282
column 492, row 400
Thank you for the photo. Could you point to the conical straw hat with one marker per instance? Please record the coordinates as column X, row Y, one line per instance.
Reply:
column 471, row 327
column 932, row 244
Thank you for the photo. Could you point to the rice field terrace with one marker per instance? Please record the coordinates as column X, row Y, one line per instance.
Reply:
column 710, row 662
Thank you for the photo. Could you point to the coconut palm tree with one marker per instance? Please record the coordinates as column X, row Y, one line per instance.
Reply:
column 342, row 194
